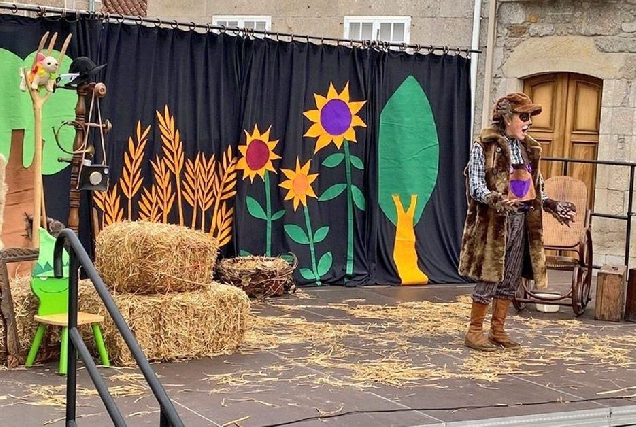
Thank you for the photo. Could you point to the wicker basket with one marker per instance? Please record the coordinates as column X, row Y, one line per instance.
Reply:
column 259, row 276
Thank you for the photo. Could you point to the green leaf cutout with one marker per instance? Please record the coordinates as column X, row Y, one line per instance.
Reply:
column 358, row 197
column 307, row 274
column 333, row 160
column 321, row 233
column 243, row 252
column 278, row 215
column 325, row 264
column 332, row 192
column 356, row 162
column 254, row 208
column 297, row 234
column 408, row 150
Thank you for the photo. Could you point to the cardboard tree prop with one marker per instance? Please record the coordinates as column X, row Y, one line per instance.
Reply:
column 42, row 74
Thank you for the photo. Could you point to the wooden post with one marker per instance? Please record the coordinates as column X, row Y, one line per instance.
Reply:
column 630, row 300
column 78, row 145
column 38, row 102
column 610, row 293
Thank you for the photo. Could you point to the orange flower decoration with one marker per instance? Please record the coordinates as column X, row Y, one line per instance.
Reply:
column 258, row 153
column 335, row 118
column 299, row 184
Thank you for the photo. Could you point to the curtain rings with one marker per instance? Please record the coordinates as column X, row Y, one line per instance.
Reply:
column 15, row 8
column 193, row 26
column 139, row 20
column 119, row 19
column 291, row 37
column 158, row 23
column 41, row 11
column 445, row 50
column 207, row 27
column 222, row 30
column 174, row 25
column 63, row 12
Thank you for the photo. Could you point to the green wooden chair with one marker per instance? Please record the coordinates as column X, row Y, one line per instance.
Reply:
column 52, row 294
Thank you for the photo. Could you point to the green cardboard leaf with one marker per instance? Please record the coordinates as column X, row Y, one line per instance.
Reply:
column 332, row 192
column 358, row 197
column 254, row 208
column 243, row 252
column 320, row 234
column 278, row 215
column 408, row 150
column 297, row 234
column 307, row 274
column 333, row 160
column 356, row 162
column 325, row 264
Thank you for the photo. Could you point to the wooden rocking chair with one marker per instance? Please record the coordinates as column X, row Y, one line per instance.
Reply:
column 567, row 248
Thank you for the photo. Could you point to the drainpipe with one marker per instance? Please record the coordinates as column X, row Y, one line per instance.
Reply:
column 490, row 47
column 474, row 60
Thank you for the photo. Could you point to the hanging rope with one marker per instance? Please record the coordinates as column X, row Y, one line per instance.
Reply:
column 72, row 14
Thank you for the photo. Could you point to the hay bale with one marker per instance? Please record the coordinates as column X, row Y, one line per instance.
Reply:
column 25, row 306
column 142, row 257
column 179, row 325
column 259, row 276
column 168, row 327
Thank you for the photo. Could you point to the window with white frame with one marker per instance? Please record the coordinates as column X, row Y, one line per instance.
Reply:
column 251, row 22
column 394, row 29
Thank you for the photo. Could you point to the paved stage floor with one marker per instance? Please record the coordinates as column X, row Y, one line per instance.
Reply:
column 366, row 356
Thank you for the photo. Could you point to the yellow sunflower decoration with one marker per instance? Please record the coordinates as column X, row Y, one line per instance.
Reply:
column 335, row 118
column 299, row 183
column 258, row 153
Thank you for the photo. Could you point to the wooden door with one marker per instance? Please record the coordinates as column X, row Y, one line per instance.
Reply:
column 568, row 127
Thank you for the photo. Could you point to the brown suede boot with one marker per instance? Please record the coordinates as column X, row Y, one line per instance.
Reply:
column 497, row 334
column 475, row 337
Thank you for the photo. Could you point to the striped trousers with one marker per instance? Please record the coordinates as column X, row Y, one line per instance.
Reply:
column 484, row 292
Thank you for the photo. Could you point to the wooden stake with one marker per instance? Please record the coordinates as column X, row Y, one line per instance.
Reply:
column 38, row 102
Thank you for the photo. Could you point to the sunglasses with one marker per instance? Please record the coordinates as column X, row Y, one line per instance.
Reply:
column 524, row 117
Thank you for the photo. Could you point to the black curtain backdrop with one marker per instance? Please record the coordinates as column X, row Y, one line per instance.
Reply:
column 223, row 91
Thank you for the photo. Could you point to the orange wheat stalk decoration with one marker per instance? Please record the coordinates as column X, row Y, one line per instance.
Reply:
column 206, row 180
column 108, row 202
column 131, row 178
column 173, row 152
column 224, row 188
column 165, row 196
column 224, row 224
column 191, row 188
column 149, row 205
column 98, row 199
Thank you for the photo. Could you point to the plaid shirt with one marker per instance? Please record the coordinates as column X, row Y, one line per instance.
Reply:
column 477, row 170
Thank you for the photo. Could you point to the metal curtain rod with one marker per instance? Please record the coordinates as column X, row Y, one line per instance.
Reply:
column 248, row 32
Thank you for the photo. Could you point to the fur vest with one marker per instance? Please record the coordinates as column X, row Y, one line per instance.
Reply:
column 483, row 246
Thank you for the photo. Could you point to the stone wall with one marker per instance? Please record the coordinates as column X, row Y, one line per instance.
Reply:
column 593, row 37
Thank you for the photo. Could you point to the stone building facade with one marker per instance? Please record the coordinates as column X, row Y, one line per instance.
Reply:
column 589, row 43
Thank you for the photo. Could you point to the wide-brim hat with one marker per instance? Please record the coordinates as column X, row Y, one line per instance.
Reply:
column 86, row 69
column 515, row 103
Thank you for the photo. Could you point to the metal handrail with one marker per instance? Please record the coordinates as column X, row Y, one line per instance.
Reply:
column 78, row 257
column 630, row 197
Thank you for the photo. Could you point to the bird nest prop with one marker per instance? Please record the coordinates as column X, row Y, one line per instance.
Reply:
column 260, row 276
column 142, row 257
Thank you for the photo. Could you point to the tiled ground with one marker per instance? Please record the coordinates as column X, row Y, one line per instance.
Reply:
column 368, row 356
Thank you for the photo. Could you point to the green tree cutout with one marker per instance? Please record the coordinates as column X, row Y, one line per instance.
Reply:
column 16, row 111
